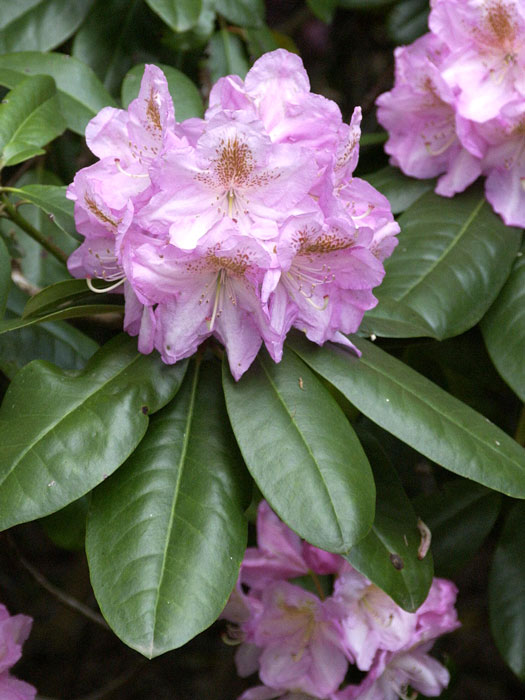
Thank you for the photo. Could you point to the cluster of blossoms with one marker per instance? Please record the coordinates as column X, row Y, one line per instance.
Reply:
column 302, row 644
column 14, row 630
column 458, row 103
column 239, row 225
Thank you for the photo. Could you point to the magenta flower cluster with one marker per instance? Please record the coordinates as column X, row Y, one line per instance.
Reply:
column 302, row 643
column 14, row 630
column 457, row 108
column 239, row 225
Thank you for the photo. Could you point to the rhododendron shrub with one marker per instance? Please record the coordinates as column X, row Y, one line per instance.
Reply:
column 229, row 277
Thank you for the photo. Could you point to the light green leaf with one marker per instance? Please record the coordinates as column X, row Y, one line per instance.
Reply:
column 226, row 56
column 244, row 13
column 453, row 257
column 260, row 41
column 80, row 93
column 63, row 433
column 393, row 539
column 186, row 97
column 50, row 298
column 78, row 311
column 29, row 119
column 179, row 15
column 421, row 414
column 302, row 452
column 504, row 329
column 166, row 535
column 51, row 199
column 507, row 592
column 39, row 25
column 460, row 515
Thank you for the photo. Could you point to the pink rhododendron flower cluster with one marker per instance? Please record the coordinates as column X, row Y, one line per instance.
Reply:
column 239, row 225
column 457, row 108
column 14, row 630
column 302, row 643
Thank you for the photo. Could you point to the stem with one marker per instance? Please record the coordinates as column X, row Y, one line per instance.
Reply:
column 19, row 220
column 317, row 585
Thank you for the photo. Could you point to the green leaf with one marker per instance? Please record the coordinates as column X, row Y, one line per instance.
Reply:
column 507, row 592
column 460, row 516
column 5, row 276
column 186, row 97
column 421, row 414
column 453, row 257
column 394, row 537
column 244, row 13
column 36, row 264
column 394, row 319
column 302, row 452
column 51, row 199
column 179, row 15
column 324, row 9
column 504, row 329
column 71, row 312
column 29, row 119
column 408, row 20
column 400, row 190
column 226, row 56
column 63, row 433
column 67, row 527
column 80, row 93
column 53, row 296
column 40, row 25
column 166, row 535
column 365, row 4
column 112, row 52
column 58, row 342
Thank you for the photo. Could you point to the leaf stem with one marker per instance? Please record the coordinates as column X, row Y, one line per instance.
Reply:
column 317, row 584
column 35, row 234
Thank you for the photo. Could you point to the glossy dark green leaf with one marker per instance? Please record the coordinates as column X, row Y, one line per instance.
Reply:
column 504, row 329
column 394, row 537
column 408, row 20
column 245, row 13
column 56, row 342
column 110, row 38
column 400, row 190
column 53, row 296
column 226, row 56
column 179, row 15
column 51, row 199
column 324, row 9
column 394, row 319
column 67, row 527
column 166, row 534
column 418, row 412
column 453, row 257
column 507, row 592
column 29, row 119
column 5, row 275
column 78, row 311
column 39, row 25
column 186, row 97
column 302, row 452
column 80, row 93
column 460, row 516
column 63, row 433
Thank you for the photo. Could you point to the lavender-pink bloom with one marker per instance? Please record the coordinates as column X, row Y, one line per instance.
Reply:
column 14, row 630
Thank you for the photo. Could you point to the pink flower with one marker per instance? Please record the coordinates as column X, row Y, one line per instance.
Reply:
column 393, row 674
column 14, row 630
column 237, row 226
column 486, row 66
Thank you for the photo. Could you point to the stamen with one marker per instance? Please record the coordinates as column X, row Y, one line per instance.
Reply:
column 443, row 148
column 121, row 169
column 316, row 306
column 231, row 197
column 106, row 289
column 216, row 303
